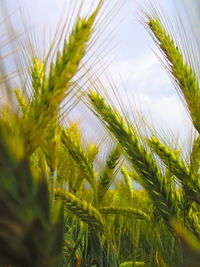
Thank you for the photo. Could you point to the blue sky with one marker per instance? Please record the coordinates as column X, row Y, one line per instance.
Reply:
column 135, row 68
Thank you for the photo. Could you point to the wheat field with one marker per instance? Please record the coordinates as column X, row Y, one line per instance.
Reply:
column 61, row 206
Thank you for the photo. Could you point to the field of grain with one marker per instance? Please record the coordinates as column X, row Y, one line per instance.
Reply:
column 61, row 203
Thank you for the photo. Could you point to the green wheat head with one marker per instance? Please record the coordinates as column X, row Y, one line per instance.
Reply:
column 152, row 179
column 128, row 181
column 81, row 208
column 51, row 89
column 21, row 101
column 108, row 173
column 73, row 146
column 195, row 157
column 135, row 213
column 177, row 167
column 183, row 75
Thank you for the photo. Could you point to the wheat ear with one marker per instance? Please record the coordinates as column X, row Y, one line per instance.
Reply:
column 128, row 181
column 38, row 76
column 108, row 173
column 133, row 263
column 136, row 213
column 152, row 179
column 183, row 75
column 21, row 101
column 192, row 223
column 72, row 145
column 178, row 168
column 81, row 208
column 46, row 104
column 195, row 157
column 92, row 152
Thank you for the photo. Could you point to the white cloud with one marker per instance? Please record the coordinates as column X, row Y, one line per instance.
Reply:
column 167, row 113
column 141, row 72
column 148, row 85
column 146, row 74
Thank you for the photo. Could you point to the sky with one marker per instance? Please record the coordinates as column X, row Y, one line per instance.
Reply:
column 131, row 56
